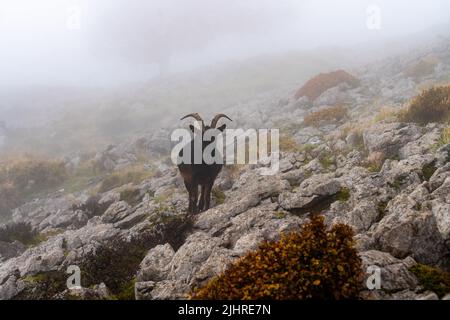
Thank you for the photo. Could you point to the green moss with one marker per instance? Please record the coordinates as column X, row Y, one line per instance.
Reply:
column 218, row 195
column 43, row 286
column 381, row 208
column 396, row 184
column 40, row 277
column 428, row 171
column 127, row 291
column 432, row 279
column 327, row 161
column 372, row 167
column 280, row 214
column 343, row 195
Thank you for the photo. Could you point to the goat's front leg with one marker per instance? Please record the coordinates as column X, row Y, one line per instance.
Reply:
column 201, row 203
column 193, row 195
column 207, row 194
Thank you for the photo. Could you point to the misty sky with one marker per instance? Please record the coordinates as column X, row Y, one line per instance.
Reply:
column 104, row 42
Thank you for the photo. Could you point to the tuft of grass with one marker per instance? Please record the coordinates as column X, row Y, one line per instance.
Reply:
column 433, row 279
column 218, row 195
column 386, row 114
column 444, row 139
column 381, row 208
column 130, row 195
column 432, row 105
column 134, row 174
column 288, row 144
column 280, row 214
column 325, row 116
column 428, row 171
column 343, row 195
column 127, row 291
column 374, row 161
column 327, row 160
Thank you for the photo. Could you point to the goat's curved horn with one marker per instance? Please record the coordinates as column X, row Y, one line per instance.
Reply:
column 217, row 118
column 196, row 116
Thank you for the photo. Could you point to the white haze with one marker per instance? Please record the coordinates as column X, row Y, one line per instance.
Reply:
column 123, row 41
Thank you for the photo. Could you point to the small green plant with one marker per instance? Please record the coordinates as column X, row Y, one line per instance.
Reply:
column 343, row 195
column 374, row 161
column 381, row 208
column 432, row 279
column 444, row 139
column 327, row 160
column 218, row 195
column 280, row 214
column 314, row 263
column 428, row 170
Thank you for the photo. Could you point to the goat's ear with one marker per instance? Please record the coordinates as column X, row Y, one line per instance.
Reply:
column 222, row 127
column 191, row 127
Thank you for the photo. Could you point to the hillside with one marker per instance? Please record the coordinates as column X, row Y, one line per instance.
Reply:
column 369, row 168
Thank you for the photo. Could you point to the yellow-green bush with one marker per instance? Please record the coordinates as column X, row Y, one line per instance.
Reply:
column 314, row 263
column 433, row 279
column 432, row 105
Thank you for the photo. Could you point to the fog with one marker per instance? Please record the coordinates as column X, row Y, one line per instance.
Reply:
column 114, row 42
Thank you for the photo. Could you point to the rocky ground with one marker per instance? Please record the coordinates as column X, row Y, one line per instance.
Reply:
column 400, row 210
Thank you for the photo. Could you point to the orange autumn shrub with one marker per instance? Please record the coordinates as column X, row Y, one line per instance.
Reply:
column 324, row 81
column 314, row 263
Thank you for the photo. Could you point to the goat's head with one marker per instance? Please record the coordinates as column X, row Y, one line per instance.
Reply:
column 205, row 128
column 213, row 124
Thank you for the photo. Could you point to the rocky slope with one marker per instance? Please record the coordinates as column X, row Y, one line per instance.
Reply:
column 400, row 212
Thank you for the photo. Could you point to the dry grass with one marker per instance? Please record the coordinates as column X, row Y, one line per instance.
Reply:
column 432, row 105
column 325, row 116
column 374, row 161
column 421, row 69
column 288, row 144
column 133, row 174
column 23, row 177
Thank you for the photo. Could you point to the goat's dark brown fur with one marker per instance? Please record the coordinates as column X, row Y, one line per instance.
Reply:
column 202, row 174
